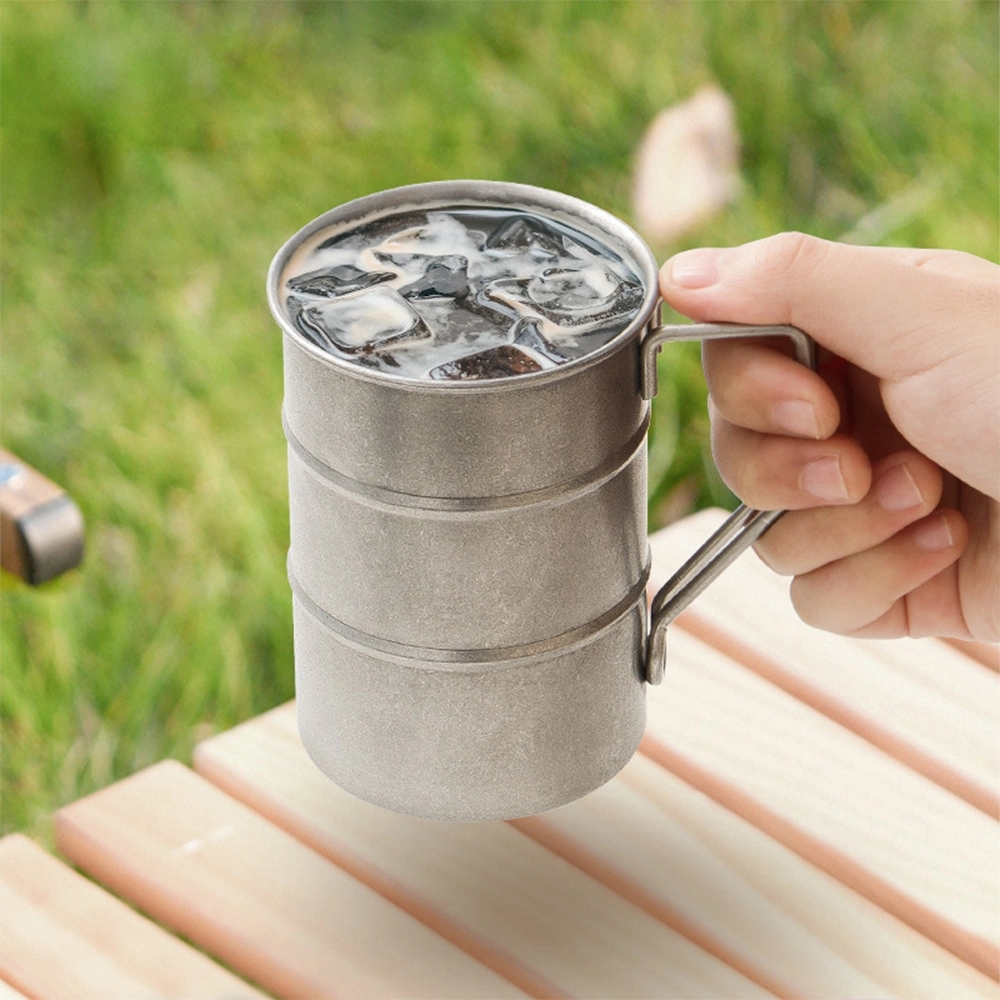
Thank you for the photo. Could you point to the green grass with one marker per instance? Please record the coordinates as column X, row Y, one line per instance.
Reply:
column 154, row 157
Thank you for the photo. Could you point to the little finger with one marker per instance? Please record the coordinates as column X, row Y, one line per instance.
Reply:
column 850, row 594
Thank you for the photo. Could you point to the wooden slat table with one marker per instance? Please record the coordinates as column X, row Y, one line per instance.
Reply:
column 809, row 816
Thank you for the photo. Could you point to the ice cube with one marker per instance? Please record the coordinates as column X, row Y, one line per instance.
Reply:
column 497, row 362
column 434, row 234
column 370, row 323
column 527, row 334
column 340, row 280
column 574, row 309
column 573, row 287
column 568, row 300
column 365, row 235
column 522, row 233
column 443, row 277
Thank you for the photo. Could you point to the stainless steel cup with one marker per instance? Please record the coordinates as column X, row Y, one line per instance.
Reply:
column 469, row 559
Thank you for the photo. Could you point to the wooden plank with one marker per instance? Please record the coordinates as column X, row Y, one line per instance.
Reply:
column 509, row 899
column 683, row 858
column 920, row 700
column 897, row 838
column 41, row 529
column 986, row 653
column 62, row 936
column 7, row 992
column 214, row 870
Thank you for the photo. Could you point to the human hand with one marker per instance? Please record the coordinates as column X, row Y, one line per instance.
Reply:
column 888, row 460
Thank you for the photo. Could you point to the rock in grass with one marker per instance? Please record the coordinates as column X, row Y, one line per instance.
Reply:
column 687, row 166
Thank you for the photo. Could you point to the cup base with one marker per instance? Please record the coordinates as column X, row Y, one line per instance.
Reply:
column 471, row 742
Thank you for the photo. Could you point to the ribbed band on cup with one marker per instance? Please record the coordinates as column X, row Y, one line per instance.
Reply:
column 471, row 659
column 557, row 493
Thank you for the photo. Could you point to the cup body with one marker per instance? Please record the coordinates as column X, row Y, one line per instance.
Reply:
column 469, row 560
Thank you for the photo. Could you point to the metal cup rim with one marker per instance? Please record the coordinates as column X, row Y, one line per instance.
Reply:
column 597, row 222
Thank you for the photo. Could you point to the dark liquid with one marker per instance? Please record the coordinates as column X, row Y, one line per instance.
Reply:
column 460, row 293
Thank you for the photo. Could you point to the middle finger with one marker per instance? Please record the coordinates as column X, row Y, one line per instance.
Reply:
column 773, row 472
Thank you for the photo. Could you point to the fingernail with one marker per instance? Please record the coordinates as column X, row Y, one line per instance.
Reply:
column 933, row 535
column 694, row 268
column 896, row 489
column 798, row 417
column 824, row 480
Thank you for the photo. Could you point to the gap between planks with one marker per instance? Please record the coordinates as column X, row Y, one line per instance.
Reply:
column 226, row 878
column 7, row 992
column 932, row 708
column 505, row 888
column 63, row 936
column 910, row 846
column 673, row 850
column 809, row 937
column 303, row 927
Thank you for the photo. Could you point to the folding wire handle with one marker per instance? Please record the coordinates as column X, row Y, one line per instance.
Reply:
column 744, row 526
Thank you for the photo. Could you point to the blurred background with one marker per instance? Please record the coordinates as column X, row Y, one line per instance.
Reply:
column 156, row 155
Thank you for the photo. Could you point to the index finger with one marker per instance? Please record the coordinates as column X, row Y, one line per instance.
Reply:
column 879, row 307
column 755, row 386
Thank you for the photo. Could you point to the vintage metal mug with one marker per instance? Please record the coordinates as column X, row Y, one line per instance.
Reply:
column 469, row 559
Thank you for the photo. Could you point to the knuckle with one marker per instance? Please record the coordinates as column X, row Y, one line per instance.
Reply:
column 761, row 467
column 983, row 296
column 794, row 252
column 729, row 376
column 772, row 554
column 804, row 599
column 780, row 547
column 747, row 483
column 730, row 453
column 826, row 599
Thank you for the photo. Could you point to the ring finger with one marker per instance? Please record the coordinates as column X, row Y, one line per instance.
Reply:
column 905, row 487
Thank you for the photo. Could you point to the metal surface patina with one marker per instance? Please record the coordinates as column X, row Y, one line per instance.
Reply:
column 469, row 558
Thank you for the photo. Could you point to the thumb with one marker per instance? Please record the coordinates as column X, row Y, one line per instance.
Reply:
column 881, row 308
column 924, row 322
